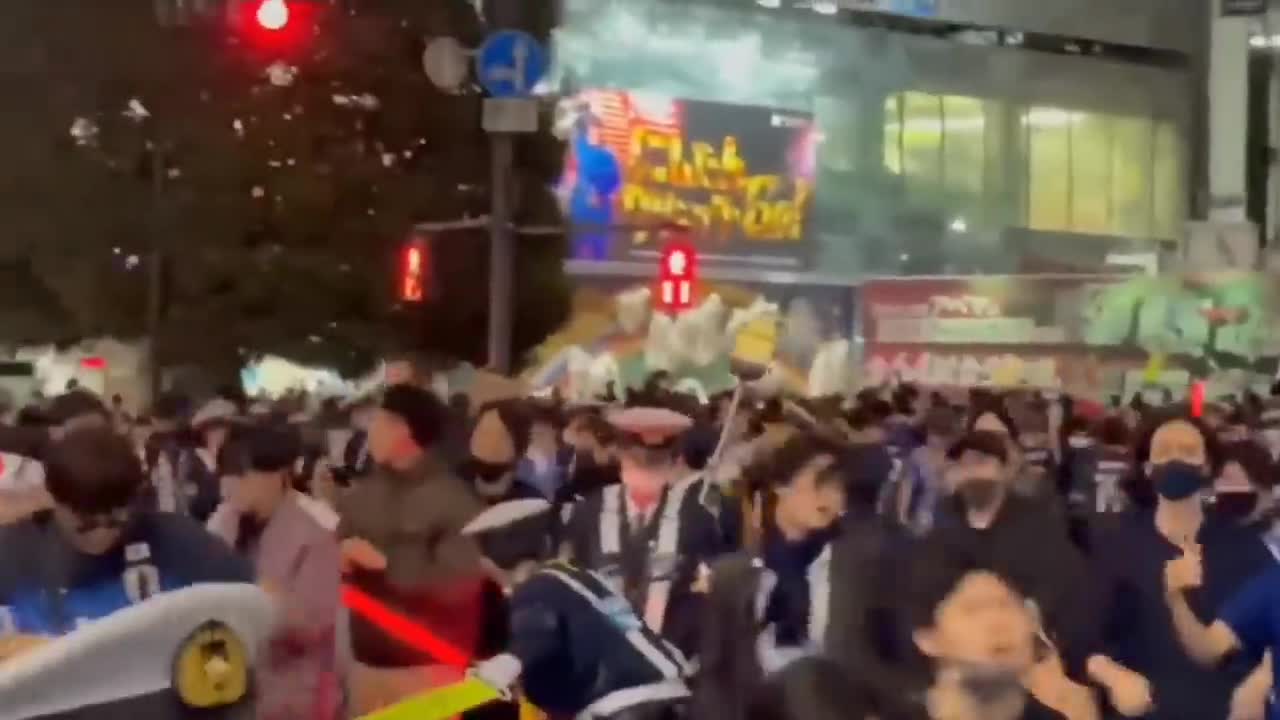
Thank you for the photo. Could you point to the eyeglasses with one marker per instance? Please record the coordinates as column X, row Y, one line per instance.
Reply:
column 113, row 520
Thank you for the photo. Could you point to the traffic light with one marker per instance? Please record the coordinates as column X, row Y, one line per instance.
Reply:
column 677, row 273
column 415, row 271
column 272, row 15
column 273, row 30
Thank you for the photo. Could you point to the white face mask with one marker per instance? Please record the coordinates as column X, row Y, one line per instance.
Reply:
column 1271, row 438
column 1079, row 442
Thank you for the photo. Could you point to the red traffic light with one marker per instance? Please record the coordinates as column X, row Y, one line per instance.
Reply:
column 272, row 15
column 676, row 275
column 415, row 272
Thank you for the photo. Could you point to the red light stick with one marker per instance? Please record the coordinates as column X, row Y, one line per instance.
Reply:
column 402, row 628
column 1197, row 399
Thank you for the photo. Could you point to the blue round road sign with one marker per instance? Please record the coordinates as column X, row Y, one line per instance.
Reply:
column 510, row 63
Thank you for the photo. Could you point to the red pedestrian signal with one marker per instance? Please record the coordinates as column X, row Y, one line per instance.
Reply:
column 272, row 15
column 276, row 30
column 676, row 275
column 415, row 272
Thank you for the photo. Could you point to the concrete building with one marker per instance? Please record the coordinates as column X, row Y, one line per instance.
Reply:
column 962, row 136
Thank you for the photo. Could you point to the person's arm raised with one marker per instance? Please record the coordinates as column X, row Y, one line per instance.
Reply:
column 1206, row 645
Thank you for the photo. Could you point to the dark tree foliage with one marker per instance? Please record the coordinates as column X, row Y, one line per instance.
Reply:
column 285, row 200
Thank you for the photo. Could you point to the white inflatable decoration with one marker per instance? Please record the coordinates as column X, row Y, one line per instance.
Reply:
column 131, row 653
column 633, row 308
column 577, row 364
column 604, row 371
column 830, row 373
column 702, row 335
column 739, row 318
column 660, row 344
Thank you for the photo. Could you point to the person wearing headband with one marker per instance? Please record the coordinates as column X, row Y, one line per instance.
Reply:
column 576, row 648
column 650, row 535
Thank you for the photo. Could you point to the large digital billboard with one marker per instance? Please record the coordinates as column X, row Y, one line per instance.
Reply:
column 738, row 179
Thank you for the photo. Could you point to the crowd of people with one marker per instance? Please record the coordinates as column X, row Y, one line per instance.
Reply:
column 904, row 554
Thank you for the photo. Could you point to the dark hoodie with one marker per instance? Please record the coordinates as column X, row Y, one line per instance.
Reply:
column 1029, row 540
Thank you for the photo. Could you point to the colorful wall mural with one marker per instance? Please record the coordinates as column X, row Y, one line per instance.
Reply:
column 1091, row 335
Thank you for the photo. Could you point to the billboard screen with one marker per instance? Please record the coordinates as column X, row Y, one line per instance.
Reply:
column 739, row 178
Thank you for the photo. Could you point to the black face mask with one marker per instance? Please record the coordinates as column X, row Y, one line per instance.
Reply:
column 1235, row 505
column 1177, row 480
column 980, row 493
column 486, row 471
column 990, row 687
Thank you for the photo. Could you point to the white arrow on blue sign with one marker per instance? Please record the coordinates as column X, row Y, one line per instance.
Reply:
column 510, row 63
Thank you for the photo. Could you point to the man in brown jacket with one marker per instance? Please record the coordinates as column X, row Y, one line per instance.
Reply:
column 401, row 544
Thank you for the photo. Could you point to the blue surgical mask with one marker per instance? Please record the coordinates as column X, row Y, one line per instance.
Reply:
column 1177, row 480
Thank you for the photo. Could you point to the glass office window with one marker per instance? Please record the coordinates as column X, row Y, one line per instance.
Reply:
column 893, row 134
column 1049, row 176
column 1131, row 179
column 1168, row 204
column 840, row 122
column 921, row 139
column 1091, row 147
column 964, row 125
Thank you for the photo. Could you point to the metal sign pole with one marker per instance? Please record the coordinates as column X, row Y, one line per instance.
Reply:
column 501, row 253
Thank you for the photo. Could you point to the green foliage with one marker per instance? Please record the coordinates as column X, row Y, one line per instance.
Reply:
column 283, row 210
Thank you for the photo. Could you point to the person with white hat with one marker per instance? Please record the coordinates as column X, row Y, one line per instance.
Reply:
column 197, row 480
column 651, row 535
column 577, row 649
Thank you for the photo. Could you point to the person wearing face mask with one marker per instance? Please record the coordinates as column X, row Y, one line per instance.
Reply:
column 1023, row 537
column 786, row 599
column 498, row 441
column 987, row 415
column 649, row 535
column 1037, row 448
column 1242, row 488
column 592, row 464
column 1174, row 459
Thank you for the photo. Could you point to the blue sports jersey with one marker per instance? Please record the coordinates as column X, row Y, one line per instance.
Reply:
column 47, row 588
